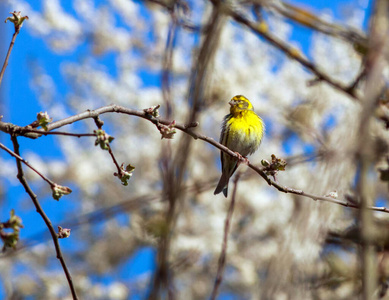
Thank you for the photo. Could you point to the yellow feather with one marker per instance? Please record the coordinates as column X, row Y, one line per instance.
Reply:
column 242, row 132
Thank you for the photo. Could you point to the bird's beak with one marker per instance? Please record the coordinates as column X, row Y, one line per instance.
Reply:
column 232, row 103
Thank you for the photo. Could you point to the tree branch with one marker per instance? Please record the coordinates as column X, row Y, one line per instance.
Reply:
column 291, row 52
column 223, row 253
column 20, row 159
column 188, row 129
column 109, row 212
column 45, row 218
column 376, row 63
column 306, row 18
column 8, row 55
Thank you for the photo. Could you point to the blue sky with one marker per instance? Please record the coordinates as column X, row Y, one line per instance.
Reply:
column 19, row 105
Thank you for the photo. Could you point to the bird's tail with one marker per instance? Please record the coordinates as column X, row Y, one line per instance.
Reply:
column 222, row 185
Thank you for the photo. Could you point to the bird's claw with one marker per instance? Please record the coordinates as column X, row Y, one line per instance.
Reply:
column 242, row 159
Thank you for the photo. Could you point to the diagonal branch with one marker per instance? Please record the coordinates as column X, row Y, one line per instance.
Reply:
column 45, row 218
column 288, row 50
column 306, row 18
column 109, row 212
column 20, row 159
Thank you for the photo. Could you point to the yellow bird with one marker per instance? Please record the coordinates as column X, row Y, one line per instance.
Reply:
column 242, row 132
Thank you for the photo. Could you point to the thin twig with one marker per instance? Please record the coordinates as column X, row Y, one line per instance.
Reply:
column 168, row 64
column 181, row 20
column 39, row 209
column 19, row 158
column 223, row 254
column 29, row 132
column 99, row 124
column 43, row 132
column 109, row 212
column 114, row 159
column 8, row 54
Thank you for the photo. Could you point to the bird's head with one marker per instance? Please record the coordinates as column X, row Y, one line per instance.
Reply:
column 240, row 103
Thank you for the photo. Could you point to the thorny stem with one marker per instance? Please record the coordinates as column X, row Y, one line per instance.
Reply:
column 223, row 253
column 39, row 209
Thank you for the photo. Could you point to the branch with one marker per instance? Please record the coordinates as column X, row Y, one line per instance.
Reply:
column 168, row 64
column 20, row 159
column 223, row 253
column 109, row 212
column 43, row 132
column 175, row 168
column 39, row 209
column 18, row 20
column 310, row 20
column 179, row 11
column 376, row 63
column 29, row 132
column 8, row 55
column 124, row 173
column 188, row 129
column 288, row 50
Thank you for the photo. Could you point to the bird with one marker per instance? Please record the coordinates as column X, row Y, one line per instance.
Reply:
column 242, row 132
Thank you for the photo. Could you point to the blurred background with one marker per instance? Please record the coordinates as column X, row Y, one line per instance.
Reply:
column 161, row 236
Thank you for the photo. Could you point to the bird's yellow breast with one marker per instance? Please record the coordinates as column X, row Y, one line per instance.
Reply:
column 247, row 123
column 246, row 132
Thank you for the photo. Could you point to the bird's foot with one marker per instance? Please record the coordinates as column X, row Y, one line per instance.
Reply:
column 242, row 159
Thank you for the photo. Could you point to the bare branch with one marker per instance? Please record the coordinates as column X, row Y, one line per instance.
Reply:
column 106, row 213
column 175, row 167
column 223, row 253
column 43, row 132
column 377, row 60
column 291, row 52
column 114, row 159
column 310, row 20
column 39, row 209
column 168, row 65
column 17, row 19
column 7, row 56
column 29, row 132
column 19, row 158
column 188, row 129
